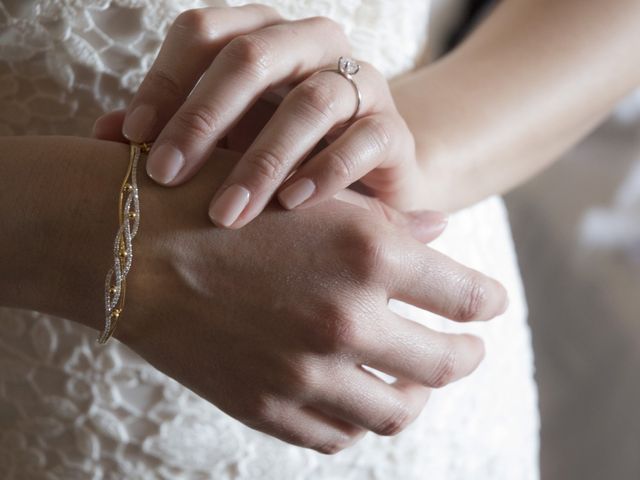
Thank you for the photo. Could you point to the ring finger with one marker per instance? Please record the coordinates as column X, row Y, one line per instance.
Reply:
column 310, row 111
column 248, row 66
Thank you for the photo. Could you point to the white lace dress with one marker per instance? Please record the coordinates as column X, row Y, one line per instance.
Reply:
column 72, row 410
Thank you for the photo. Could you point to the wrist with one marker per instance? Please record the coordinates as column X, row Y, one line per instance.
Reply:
column 174, row 233
column 60, row 218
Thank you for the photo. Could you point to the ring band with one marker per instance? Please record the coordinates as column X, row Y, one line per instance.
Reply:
column 347, row 68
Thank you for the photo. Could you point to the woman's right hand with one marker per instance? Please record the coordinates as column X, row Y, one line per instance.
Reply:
column 271, row 323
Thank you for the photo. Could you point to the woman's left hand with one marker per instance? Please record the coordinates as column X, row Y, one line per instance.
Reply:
column 213, row 67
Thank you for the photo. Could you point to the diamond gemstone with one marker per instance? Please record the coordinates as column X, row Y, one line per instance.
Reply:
column 348, row 66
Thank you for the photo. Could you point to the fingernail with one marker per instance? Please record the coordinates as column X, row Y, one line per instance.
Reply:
column 164, row 163
column 295, row 194
column 138, row 125
column 228, row 207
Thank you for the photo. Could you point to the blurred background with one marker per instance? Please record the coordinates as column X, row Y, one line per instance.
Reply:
column 577, row 232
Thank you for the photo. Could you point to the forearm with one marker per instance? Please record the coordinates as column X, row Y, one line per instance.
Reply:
column 528, row 83
column 58, row 208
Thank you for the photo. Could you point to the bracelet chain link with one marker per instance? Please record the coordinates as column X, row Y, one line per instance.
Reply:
column 129, row 218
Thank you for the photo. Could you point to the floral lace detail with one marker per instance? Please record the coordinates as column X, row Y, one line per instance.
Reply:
column 64, row 63
column 72, row 410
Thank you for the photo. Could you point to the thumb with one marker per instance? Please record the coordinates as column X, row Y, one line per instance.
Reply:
column 109, row 126
column 424, row 225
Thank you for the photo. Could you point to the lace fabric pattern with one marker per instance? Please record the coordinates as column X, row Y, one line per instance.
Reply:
column 70, row 409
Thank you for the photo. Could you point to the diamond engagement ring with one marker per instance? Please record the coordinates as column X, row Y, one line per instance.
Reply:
column 347, row 67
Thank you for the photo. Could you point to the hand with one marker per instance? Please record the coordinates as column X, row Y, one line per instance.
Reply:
column 187, row 103
column 271, row 323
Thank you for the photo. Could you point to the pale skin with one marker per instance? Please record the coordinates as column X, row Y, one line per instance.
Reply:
column 482, row 120
column 248, row 319
column 532, row 80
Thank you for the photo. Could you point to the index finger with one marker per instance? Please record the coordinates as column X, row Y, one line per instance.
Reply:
column 430, row 280
column 193, row 41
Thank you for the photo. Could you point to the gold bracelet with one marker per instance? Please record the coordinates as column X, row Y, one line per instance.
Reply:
column 129, row 219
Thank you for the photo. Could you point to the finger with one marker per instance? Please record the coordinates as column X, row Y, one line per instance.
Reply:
column 311, row 110
column 425, row 226
column 419, row 275
column 430, row 280
column 361, row 398
column 242, row 71
column 406, row 349
column 310, row 428
column 193, row 40
column 109, row 126
column 376, row 141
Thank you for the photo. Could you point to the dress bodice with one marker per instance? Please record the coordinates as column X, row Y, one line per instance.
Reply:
column 72, row 410
column 65, row 62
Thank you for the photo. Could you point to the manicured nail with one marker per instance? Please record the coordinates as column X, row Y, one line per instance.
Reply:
column 295, row 194
column 164, row 163
column 139, row 124
column 228, row 207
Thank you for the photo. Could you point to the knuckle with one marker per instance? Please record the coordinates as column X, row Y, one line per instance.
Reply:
column 260, row 409
column 252, row 52
column 473, row 299
column 166, row 82
column 338, row 330
column 265, row 165
column 331, row 447
column 333, row 28
column 399, row 419
column 266, row 11
column 445, row 369
column 379, row 132
column 368, row 255
column 301, row 379
column 193, row 21
column 341, row 164
column 342, row 334
column 316, row 98
column 197, row 121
